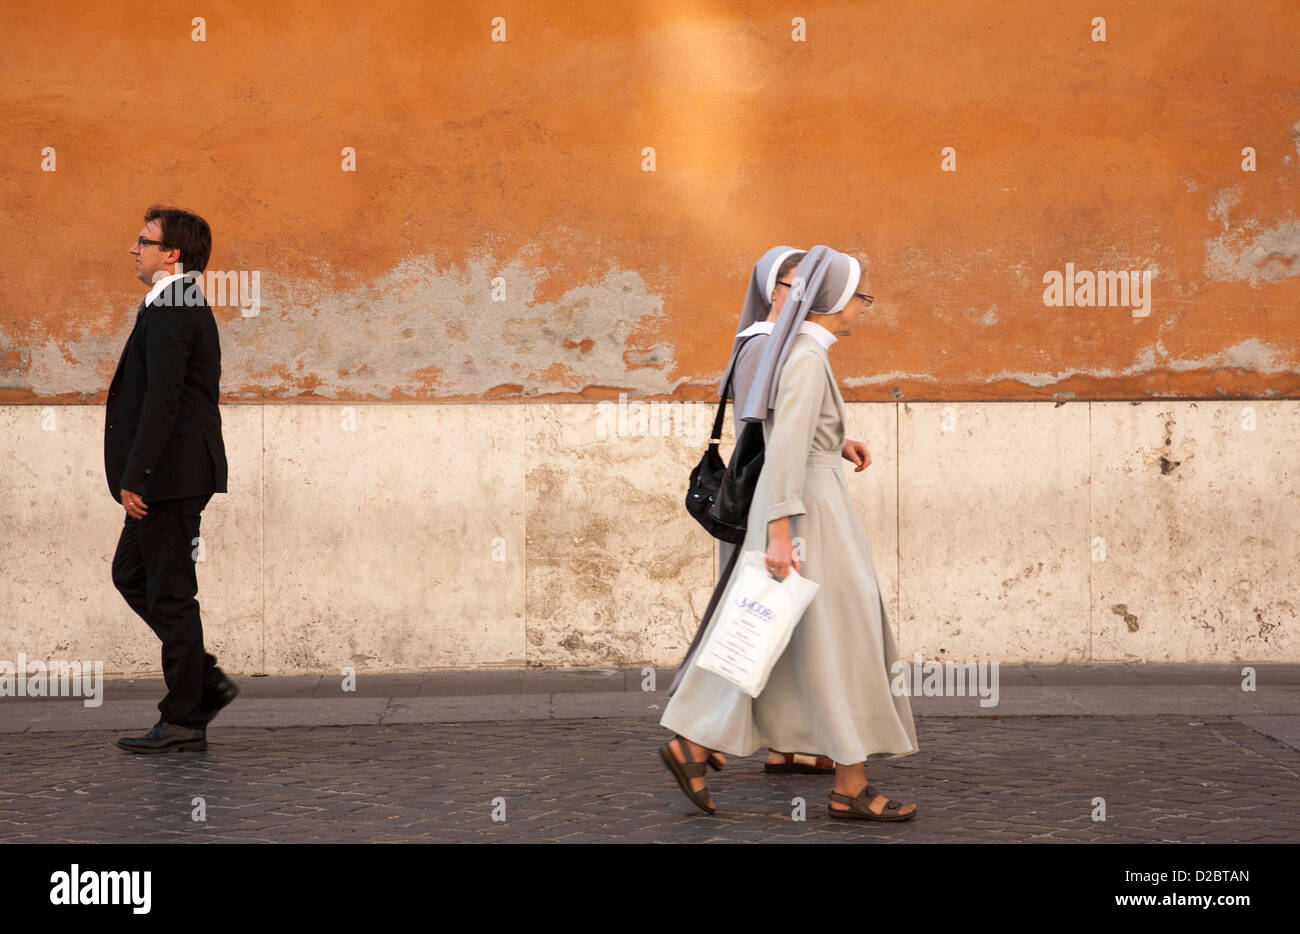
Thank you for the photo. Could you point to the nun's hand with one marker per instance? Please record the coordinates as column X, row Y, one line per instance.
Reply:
column 780, row 550
column 856, row 452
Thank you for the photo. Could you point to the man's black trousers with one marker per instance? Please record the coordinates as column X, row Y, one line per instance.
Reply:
column 154, row 571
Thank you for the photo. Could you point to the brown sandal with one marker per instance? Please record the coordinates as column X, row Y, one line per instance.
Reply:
column 811, row 765
column 859, row 806
column 685, row 771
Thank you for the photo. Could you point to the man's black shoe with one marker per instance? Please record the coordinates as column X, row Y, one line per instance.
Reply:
column 221, row 696
column 167, row 737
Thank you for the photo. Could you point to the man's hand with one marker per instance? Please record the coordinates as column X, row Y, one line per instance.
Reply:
column 856, row 452
column 135, row 507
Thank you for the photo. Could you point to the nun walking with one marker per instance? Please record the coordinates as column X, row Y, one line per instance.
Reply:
column 830, row 689
column 769, row 286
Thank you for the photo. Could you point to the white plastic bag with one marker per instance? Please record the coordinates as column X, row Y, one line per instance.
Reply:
column 755, row 624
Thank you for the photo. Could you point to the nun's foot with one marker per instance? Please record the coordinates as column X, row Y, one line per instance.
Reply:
column 868, row 798
column 685, row 753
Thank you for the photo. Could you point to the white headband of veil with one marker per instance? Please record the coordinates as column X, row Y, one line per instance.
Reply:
column 758, row 300
column 824, row 280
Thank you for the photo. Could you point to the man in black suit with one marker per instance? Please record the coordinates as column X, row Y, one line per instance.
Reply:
column 164, row 458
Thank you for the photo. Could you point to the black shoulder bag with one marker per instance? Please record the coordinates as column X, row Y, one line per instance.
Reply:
column 718, row 496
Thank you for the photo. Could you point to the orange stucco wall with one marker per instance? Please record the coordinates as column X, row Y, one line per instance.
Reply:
column 522, row 161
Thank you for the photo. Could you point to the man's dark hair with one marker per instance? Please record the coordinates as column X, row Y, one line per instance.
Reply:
column 184, row 231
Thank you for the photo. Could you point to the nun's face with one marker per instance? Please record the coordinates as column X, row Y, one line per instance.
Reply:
column 779, row 293
column 842, row 323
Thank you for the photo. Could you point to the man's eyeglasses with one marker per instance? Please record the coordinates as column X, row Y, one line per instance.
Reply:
column 141, row 241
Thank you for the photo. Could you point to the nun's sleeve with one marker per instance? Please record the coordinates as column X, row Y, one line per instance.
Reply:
column 799, row 397
column 742, row 377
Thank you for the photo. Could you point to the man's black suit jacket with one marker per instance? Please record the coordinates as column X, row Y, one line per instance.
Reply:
column 162, row 426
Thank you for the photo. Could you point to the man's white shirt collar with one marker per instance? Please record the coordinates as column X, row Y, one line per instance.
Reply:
column 162, row 284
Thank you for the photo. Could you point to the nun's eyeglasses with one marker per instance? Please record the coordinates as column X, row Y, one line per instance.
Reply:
column 866, row 298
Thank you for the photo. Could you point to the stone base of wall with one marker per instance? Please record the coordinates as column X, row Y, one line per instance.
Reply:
column 414, row 537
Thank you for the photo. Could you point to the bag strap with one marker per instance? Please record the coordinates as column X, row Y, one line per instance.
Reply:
column 715, row 437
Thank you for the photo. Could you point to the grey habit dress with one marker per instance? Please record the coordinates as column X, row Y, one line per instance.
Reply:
column 830, row 690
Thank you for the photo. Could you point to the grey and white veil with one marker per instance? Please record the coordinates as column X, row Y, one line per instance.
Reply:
column 758, row 300
column 824, row 281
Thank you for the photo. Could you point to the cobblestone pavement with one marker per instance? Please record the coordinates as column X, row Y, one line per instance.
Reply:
column 976, row 779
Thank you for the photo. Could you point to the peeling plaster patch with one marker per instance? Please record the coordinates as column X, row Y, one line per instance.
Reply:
column 83, row 365
column 413, row 331
column 660, row 355
column 1250, row 256
column 1145, row 362
column 1037, row 380
column 894, row 376
column 14, row 361
column 1226, row 199
column 987, row 317
column 1295, row 135
column 1253, row 354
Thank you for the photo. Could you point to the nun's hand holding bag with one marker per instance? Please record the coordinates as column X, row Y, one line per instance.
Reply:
column 754, row 626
